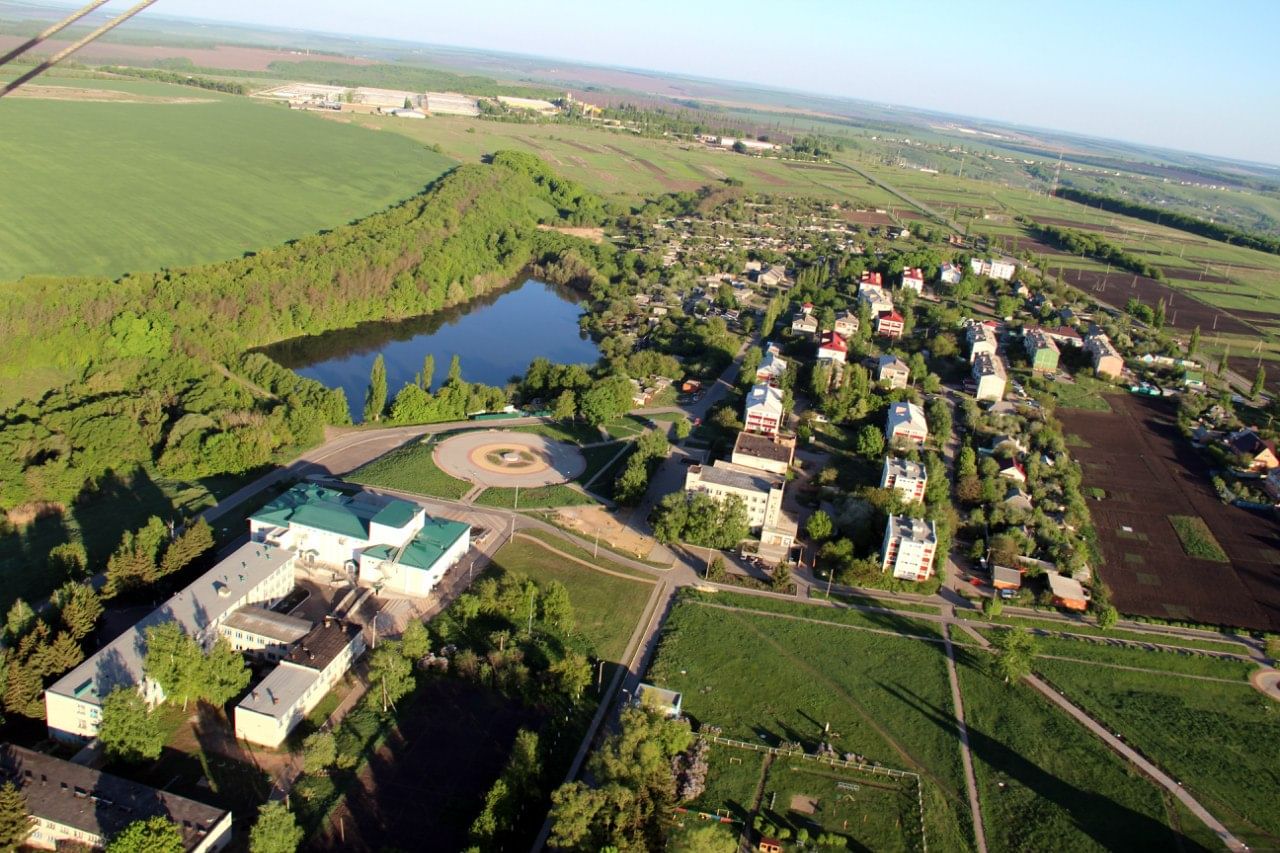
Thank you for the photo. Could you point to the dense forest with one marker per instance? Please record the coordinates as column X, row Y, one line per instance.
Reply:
column 150, row 371
column 1093, row 246
column 1173, row 219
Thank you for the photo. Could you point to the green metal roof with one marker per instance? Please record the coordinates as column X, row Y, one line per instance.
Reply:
column 334, row 519
column 425, row 549
column 315, row 506
column 396, row 514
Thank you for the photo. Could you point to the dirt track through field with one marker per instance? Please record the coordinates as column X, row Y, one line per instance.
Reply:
column 1149, row 472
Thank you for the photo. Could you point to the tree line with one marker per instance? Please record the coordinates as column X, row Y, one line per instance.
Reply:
column 1093, row 246
column 1173, row 219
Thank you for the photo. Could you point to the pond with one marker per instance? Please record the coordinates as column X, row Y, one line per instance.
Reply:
column 495, row 337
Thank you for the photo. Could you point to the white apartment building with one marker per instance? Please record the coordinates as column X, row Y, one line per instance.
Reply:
column 993, row 269
column 760, row 491
column 990, row 376
column 762, row 411
column 913, row 279
column 906, row 477
column 982, row 339
column 909, row 547
column 906, row 423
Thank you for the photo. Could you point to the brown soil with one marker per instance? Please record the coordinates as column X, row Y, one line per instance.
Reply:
column 867, row 217
column 1150, row 472
column 595, row 235
column 588, row 520
column 73, row 93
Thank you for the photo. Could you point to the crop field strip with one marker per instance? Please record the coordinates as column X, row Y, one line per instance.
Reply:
column 129, row 184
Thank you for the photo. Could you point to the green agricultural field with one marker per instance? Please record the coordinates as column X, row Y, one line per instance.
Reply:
column 411, row 469
column 181, row 176
column 1197, row 539
column 1220, row 740
column 606, row 607
column 763, row 678
column 1046, row 784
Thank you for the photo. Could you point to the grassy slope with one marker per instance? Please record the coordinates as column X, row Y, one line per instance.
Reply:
column 606, row 607
column 411, row 469
column 1220, row 740
column 885, row 697
column 1044, row 783
column 134, row 186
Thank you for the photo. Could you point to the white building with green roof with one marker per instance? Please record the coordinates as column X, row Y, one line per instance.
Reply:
column 392, row 545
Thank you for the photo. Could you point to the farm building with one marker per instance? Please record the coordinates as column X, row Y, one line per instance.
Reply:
column 385, row 98
column 76, row 807
column 536, row 105
column 452, row 103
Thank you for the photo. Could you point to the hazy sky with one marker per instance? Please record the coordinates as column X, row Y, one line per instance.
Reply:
column 1199, row 76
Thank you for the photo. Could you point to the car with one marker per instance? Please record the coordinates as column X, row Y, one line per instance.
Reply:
column 1007, row 594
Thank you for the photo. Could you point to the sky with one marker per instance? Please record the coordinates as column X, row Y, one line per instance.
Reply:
column 1195, row 76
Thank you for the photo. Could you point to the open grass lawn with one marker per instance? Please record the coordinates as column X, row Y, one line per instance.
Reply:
column 540, row 498
column 1086, row 392
column 585, row 554
column 1221, row 741
column 873, row 812
column 1090, row 630
column 1197, row 539
column 411, row 469
column 838, row 615
column 574, row 433
column 141, row 186
column 732, row 777
column 1046, row 784
column 767, row 679
column 1164, row 661
column 606, row 608
column 627, row 426
column 597, row 458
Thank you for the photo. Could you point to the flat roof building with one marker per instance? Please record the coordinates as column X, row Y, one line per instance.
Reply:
column 255, row 573
column 981, row 338
column 761, row 492
column 990, row 377
column 906, row 477
column 763, row 410
column 262, row 632
column 417, row 566
column 909, row 548
column 71, row 804
column 1106, row 358
column 312, row 667
column 764, row 453
column 1042, row 350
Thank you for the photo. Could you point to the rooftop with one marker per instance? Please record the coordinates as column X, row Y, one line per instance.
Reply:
column 907, row 413
column 763, row 447
column 194, row 608
column 892, row 362
column 322, row 644
column 915, row 529
column 765, row 395
column 276, row 694
column 737, row 477
column 904, row 468
column 99, row 803
column 436, row 537
column 317, row 507
column 268, row 623
column 396, row 514
column 987, row 365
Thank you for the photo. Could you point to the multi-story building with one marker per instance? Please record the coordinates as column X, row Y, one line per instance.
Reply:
column 892, row 372
column 907, row 477
column 764, row 453
column 870, row 279
column 415, row 567
column 847, row 325
column 981, row 338
column 950, row 274
column 773, row 366
column 313, row 666
column 909, row 548
column 1041, row 350
column 760, row 491
column 804, row 325
column 906, row 423
column 763, row 411
column 255, row 573
column 990, row 377
column 263, row 633
column 993, row 269
column 833, row 348
column 76, row 807
column 890, row 324
column 876, row 298
column 913, row 279
column 1106, row 358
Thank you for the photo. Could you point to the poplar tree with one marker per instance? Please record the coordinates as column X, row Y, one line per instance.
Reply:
column 375, row 399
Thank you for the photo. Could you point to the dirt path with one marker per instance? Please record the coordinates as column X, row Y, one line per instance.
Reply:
column 966, row 757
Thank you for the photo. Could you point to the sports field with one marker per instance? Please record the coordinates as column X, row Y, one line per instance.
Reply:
column 103, row 177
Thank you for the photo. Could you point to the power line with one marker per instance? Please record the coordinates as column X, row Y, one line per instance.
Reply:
column 50, row 31
column 70, row 49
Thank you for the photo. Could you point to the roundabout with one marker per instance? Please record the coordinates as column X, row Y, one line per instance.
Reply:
column 506, row 459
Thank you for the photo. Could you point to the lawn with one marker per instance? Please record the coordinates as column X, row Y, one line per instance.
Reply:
column 597, row 458
column 873, row 812
column 1084, row 392
column 574, row 433
column 732, row 777
column 1164, row 661
column 606, row 607
column 627, row 426
column 1045, row 784
column 765, row 679
column 834, row 614
column 1197, row 539
column 411, row 469
column 1220, row 740
column 1090, row 630
column 141, row 186
column 535, row 498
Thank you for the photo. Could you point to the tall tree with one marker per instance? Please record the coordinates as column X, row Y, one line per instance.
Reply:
column 455, row 370
column 1015, row 652
column 375, row 398
column 78, row 607
column 224, row 673
column 194, row 541
column 414, row 642
column 19, row 620
column 819, row 526
column 153, row 835
column 1259, row 382
column 390, row 673
column 557, row 609
column 15, row 819
column 428, row 374
column 566, row 406
column 319, row 751
column 129, row 730
column 175, row 662
column 1194, row 343
column 275, row 831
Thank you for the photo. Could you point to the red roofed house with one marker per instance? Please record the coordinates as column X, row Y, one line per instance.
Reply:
column 1011, row 469
column 913, row 278
column 872, row 278
column 832, row 348
column 889, row 324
